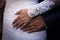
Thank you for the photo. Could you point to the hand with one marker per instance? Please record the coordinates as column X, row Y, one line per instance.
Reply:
column 22, row 20
column 35, row 25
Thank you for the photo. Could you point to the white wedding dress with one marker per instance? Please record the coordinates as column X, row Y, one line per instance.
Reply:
column 10, row 33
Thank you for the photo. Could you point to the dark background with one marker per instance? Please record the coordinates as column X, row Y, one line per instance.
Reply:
column 2, row 6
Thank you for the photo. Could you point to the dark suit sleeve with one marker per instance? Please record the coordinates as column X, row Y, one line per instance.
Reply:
column 52, row 18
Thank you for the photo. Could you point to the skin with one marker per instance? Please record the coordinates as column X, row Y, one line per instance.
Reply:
column 34, row 25
column 22, row 20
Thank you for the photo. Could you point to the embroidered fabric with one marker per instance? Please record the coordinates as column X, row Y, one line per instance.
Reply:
column 40, row 8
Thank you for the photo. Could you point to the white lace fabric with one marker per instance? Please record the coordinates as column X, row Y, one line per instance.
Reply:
column 40, row 8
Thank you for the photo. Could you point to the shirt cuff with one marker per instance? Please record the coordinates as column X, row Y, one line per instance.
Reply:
column 40, row 8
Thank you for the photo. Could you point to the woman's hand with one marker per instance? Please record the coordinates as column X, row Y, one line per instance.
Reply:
column 22, row 20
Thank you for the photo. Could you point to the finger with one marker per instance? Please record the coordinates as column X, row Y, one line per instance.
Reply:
column 23, row 26
column 18, row 12
column 15, row 20
column 16, row 23
column 33, row 30
column 32, row 24
column 19, row 25
column 28, row 28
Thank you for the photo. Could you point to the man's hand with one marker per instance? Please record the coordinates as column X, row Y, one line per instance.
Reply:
column 22, row 20
column 35, row 25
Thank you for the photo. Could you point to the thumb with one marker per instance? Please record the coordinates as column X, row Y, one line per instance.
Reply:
column 18, row 12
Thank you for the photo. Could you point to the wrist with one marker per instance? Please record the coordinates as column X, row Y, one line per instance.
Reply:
column 44, row 23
